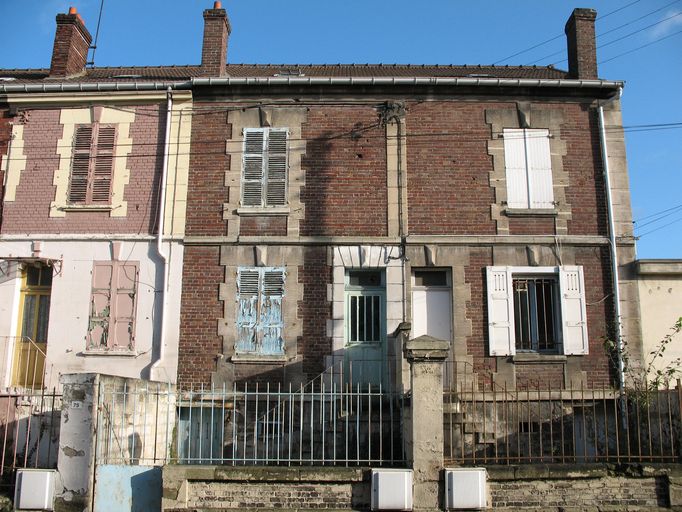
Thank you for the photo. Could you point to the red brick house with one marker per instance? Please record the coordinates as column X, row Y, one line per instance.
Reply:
column 331, row 206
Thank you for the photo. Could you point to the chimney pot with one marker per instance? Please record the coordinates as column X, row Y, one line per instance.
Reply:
column 71, row 44
column 217, row 5
column 581, row 44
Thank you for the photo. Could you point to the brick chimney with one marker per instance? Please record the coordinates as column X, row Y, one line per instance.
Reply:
column 216, row 31
column 71, row 43
column 582, row 48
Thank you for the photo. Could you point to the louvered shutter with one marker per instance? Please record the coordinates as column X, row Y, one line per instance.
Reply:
column 515, row 168
column 80, row 164
column 500, row 311
column 124, row 300
column 248, row 286
column 276, row 168
column 252, row 174
column 573, row 312
column 103, row 164
column 539, row 169
column 270, row 320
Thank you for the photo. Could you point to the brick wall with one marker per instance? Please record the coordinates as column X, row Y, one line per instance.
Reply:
column 200, row 311
column 29, row 213
column 345, row 172
column 262, row 226
column 5, row 134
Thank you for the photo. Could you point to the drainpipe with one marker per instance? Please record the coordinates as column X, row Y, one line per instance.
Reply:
column 614, row 249
column 159, row 239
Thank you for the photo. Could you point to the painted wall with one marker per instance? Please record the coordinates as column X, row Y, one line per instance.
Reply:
column 70, row 306
column 660, row 295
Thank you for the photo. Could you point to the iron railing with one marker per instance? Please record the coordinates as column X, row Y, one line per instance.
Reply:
column 252, row 424
column 29, row 430
column 26, row 363
column 490, row 424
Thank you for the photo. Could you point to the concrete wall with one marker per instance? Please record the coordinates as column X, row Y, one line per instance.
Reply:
column 659, row 283
column 70, row 307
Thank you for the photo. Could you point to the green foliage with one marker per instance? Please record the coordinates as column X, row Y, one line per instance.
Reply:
column 650, row 374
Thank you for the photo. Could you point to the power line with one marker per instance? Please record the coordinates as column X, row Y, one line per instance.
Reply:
column 658, row 219
column 660, row 227
column 562, row 35
column 659, row 212
column 640, row 47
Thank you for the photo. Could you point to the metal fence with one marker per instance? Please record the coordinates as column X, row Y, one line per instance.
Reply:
column 496, row 425
column 319, row 424
column 29, row 430
column 25, row 360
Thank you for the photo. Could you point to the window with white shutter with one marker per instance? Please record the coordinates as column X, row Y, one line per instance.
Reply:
column 260, row 292
column 528, row 168
column 264, row 167
column 92, row 164
column 538, row 309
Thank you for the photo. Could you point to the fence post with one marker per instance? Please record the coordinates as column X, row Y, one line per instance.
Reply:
column 426, row 356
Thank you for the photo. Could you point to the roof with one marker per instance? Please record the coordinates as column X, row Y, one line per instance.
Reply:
column 175, row 73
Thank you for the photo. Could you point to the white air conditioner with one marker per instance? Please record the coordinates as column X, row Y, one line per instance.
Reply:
column 465, row 488
column 34, row 489
column 391, row 489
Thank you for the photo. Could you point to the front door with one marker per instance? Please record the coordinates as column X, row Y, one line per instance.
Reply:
column 365, row 328
column 31, row 345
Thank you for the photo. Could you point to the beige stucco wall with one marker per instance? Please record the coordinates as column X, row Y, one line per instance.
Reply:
column 660, row 297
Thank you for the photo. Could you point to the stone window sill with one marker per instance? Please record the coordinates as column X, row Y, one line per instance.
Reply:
column 530, row 212
column 263, row 211
column 85, row 207
column 538, row 358
column 258, row 359
column 109, row 353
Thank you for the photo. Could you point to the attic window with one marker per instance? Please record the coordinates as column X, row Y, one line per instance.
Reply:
column 289, row 72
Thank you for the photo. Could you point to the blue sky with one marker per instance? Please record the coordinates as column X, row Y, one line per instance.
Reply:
column 428, row 32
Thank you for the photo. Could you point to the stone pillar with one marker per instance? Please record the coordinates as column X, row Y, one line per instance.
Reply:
column 426, row 356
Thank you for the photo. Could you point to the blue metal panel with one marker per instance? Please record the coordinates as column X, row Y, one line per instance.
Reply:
column 127, row 488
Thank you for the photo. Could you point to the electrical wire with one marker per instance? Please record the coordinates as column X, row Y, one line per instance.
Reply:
column 640, row 47
column 659, row 212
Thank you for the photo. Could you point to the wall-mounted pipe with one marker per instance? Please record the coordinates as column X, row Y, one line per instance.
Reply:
column 159, row 239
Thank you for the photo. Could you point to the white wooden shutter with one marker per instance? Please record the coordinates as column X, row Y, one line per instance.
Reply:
column 539, row 169
column 515, row 168
column 573, row 312
column 500, row 311
column 276, row 168
column 248, row 286
column 270, row 321
column 252, row 167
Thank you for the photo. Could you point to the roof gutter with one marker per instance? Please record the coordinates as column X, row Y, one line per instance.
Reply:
column 437, row 81
column 93, row 87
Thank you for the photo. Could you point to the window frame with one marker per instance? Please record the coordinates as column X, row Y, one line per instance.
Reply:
column 354, row 290
column 528, row 172
column 248, row 182
column 99, row 168
column 255, row 322
column 572, row 335
column 533, row 320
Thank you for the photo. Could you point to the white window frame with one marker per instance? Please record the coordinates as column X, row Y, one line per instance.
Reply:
column 443, row 288
column 572, row 315
column 264, row 184
column 357, row 291
column 528, row 168
column 255, row 307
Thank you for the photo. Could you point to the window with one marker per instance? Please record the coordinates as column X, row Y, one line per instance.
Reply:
column 536, row 309
column 112, row 305
column 528, row 169
column 92, row 164
column 365, row 295
column 259, row 314
column 264, row 175
column 431, row 304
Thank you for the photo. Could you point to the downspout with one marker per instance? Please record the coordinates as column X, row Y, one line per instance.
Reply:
column 614, row 248
column 159, row 239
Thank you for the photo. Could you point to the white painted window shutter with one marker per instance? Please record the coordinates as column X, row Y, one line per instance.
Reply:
column 277, row 168
column 539, row 169
column 500, row 311
column 515, row 168
column 252, row 172
column 573, row 312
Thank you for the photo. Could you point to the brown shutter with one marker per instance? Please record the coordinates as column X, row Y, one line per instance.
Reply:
column 80, row 164
column 277, row 168
column 103, row 164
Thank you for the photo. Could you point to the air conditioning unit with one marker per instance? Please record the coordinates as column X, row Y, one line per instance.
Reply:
column 465, row 488
column 391, row 489
column 34, row 489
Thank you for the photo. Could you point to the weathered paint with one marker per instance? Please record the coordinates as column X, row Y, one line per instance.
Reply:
column 127, row 488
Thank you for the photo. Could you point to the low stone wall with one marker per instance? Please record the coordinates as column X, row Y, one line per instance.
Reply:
column 219, row 487
column 593, row 487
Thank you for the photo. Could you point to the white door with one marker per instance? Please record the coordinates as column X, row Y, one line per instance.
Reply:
column 432, row 304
